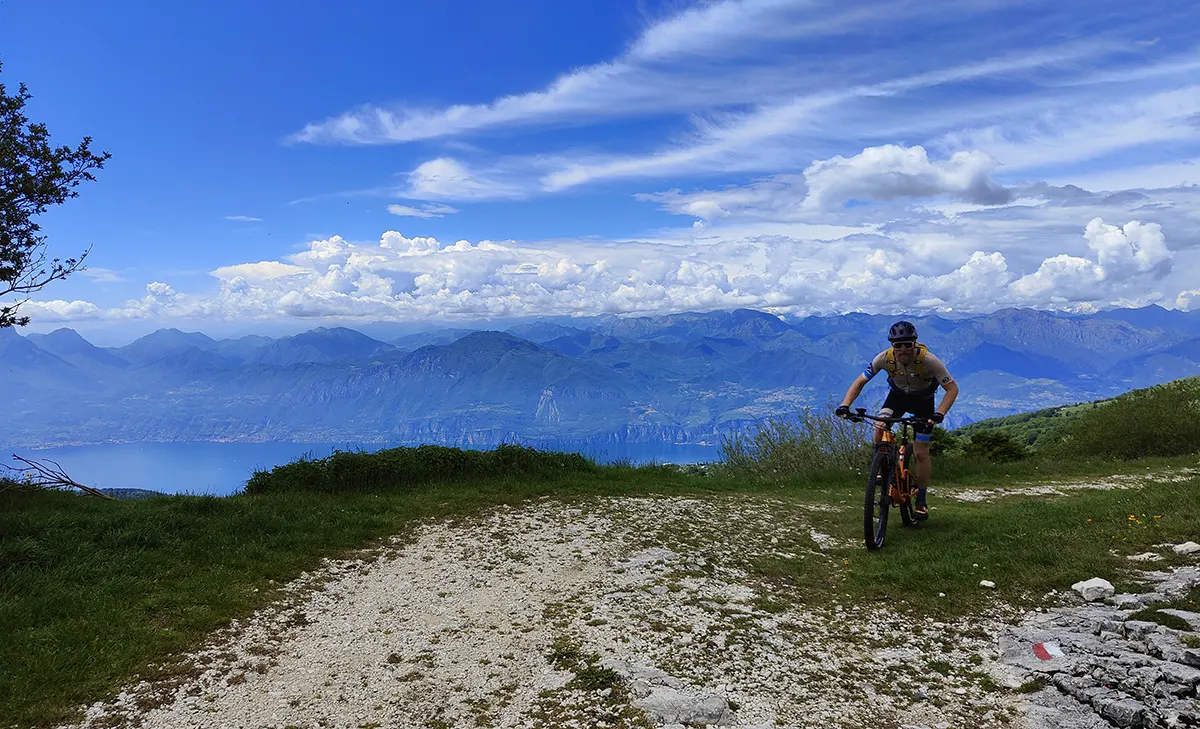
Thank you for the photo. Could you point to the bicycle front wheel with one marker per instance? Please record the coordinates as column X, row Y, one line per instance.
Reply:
column 877, row 502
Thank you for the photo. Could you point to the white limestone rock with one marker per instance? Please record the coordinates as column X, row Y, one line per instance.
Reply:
column 1094, row 589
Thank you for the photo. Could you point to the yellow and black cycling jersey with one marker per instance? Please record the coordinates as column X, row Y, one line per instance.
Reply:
column 921, row 376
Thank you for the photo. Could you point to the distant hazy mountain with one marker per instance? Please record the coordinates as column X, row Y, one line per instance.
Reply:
column 164, row 343
column 680, row 378
column 68, row 345
column 423, row 339
column 319, row 345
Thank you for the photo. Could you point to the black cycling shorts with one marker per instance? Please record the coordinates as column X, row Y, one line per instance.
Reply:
column 897, row 403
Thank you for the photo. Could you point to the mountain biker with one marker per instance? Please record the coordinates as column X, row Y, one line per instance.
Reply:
column 914, row 375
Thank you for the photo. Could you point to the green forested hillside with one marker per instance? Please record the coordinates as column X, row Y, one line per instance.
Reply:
column 1150, row 421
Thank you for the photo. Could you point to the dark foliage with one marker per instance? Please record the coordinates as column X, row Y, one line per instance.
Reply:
column 399, row 468
column 33, row 176
column 995, row 446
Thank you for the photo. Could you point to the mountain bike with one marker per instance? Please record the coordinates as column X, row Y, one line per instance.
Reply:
column 890, row 481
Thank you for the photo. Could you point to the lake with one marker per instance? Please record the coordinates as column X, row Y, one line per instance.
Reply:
column 223, row 468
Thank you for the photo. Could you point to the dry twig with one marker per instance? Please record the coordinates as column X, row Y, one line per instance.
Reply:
column 48, row 474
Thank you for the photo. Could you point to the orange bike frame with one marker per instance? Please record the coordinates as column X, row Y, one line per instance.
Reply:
column 900, row 479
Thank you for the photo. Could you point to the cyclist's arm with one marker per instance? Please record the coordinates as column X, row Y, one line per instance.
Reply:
column 943, row 378
column 855, row 390
column 861, row 381
column 951, row 388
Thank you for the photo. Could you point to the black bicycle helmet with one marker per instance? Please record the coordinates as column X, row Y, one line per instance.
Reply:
column 902, row 331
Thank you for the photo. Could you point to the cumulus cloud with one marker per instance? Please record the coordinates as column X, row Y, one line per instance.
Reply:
column 1132, row 249
column 1126, row 255
column 422, row 278
column 160, row 290
column 891, row 172
column 427, row 210
column 58, row 310
column 261, row 271
column 1188, row 300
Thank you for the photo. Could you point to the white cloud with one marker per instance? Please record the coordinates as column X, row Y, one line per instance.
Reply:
column 261, row 271
column 394, row 241
column 427, row 210
column 1060, row 278
column 891, row 172
column 58, row 310
column 1072, row 129
column 401, row 278
column 654, row 75
column 1188, row 300
column 447, row 178
column 1135, row 248
column 1124, row 256
column 741, row 86
column 103, row 275
column 159, row 290
column 243, row 219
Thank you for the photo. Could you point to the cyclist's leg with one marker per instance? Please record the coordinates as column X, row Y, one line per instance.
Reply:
column 922, row 407
column 893, row 406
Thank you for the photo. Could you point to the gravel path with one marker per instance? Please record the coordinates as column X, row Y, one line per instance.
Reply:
column 626, row 612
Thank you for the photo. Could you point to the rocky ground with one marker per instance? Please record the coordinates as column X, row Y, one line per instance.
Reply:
column 637, row 612
column 1097, row 665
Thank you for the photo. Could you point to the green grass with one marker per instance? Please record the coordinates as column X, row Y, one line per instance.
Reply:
column 93, row 593
column 1025, row 545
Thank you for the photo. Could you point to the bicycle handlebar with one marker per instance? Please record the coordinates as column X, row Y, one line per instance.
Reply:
column 860, row 414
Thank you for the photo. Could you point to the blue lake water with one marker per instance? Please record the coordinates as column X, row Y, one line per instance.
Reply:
column 223, row 468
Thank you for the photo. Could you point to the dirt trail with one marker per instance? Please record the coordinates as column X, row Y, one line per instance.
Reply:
column 613, row 613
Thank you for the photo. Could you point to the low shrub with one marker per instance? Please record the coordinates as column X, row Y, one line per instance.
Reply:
column 412, row 466
column 810, row 442
column 995, row 446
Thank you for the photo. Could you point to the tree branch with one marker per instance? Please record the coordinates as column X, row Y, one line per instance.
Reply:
column 48, row 474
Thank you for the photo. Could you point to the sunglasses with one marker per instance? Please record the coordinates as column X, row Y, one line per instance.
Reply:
column 904, row 345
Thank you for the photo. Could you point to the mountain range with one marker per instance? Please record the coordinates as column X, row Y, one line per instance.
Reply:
column 677, row 378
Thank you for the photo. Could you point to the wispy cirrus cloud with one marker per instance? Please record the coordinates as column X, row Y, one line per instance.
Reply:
column 103, row 275
column 426, row 210
column 654, row 75
column 243, row 218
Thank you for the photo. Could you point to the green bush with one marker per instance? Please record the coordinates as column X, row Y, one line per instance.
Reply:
column 1157, row 421
column 404, row 467
column 786, row 447
column 995, row 446
column 943, row 441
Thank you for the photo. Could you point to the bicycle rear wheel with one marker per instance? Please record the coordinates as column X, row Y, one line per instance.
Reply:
column 877, row 502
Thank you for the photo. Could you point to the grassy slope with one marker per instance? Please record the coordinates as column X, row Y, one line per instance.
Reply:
column 1042, row 428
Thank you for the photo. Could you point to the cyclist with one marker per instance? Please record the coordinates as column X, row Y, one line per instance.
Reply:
column 914, row 375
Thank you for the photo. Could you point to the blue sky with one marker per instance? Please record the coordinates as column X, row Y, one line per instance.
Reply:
column 278, row 167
